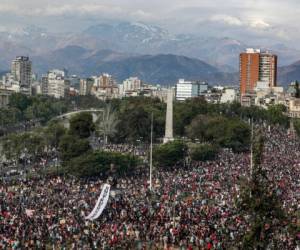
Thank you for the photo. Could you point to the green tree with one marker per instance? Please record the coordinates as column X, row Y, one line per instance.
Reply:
column 87, row 102
column 82, row 125
column 185, row 112
column 71, row 146
column 226, row 132
column 134, row 125
column 197, row 128
column 297, row 126
column 275, row 115
column 167, row 155
column 44, row 110
column 53, row 134
column 19, row 101
column 9, row 116
column 32, row 144
column 106, row 124
column 236, row 136
column 135, row 112
column 35, row 144
column 100, row 162
column 203, row 152
column 216, row 129
column 12, row 147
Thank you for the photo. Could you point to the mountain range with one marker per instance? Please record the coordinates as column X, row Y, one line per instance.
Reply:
column 289, row 73
column 136, row 49
column 161, row 68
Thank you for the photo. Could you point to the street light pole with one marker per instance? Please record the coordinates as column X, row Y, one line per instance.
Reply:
column 251, row 156
column 151, row 152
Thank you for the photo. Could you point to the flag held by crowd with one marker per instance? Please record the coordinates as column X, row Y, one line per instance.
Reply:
column 101, row 203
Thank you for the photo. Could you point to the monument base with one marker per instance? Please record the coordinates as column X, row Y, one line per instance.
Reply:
column 168, row 139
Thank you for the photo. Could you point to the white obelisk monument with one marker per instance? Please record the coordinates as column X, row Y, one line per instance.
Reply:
column 169, row 118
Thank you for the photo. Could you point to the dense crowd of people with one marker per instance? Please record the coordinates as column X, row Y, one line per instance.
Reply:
column 189, row 208
column 137, row 150
column 27, row 163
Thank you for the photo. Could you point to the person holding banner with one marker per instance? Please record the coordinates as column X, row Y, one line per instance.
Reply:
column 101, row 203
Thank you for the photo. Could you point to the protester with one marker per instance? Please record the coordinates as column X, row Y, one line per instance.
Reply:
column 190, row 208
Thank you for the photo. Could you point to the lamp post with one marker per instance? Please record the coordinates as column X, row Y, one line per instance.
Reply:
column 151, row 152
column 251, row 153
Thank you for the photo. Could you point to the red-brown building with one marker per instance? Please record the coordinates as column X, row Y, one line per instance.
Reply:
column 256, row 66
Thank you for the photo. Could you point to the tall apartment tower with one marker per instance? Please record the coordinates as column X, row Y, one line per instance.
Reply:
column 57, row 83
column 86, row 86
column 268, row 68
column 44, row 84
column 106, row 81
column 257, row 66
column 21, row 70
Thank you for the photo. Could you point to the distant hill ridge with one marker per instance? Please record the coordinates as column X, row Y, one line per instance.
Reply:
column 133, row 38
column 161, row 69
column 133, row 48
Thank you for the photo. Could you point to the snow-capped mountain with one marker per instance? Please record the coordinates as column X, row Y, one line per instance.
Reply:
column 128, row 32
column 127, row 37
column 142, row 38
column 123, row 40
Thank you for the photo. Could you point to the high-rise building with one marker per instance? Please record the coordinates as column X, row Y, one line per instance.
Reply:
column 58, row 84
column 105, row 87
column 86, row 86
column 44, row 84
column 131, row 84
column 106, row 81
column 190, row 89
column 131, row 87
column 21, row 70
column 74, row 81
column 268, row 69
column 257, row 66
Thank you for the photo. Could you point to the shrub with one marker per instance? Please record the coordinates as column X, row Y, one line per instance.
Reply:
column 100, row 162
column 169, row 154
column 204, row 152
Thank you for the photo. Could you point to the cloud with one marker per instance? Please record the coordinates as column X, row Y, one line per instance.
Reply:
column 259, row 24
column 81, row 10
column 61, row 9
column 235, row 21
column 213, row 17
column 230, row 20
column 142, row 15
column 9, row 8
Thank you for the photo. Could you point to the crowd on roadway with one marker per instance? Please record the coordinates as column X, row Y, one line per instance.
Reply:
column 189, row 208
column 26, row 163
column 139, row 149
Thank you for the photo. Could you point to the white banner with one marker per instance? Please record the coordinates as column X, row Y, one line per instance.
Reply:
column 101, row 203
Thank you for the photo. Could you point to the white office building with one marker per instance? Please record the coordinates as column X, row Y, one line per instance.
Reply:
column 190, row 89
column 58, row 84
column 130, row 87
column 229, row 95
column 8, row 80
column 131, row 84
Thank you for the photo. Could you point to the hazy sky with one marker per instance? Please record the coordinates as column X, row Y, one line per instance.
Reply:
column 271, row 19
